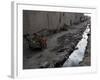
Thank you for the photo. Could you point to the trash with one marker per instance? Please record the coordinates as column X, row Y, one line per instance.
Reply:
column 36, row 41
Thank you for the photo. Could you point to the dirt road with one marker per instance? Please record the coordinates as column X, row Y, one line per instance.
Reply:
column 49, row 58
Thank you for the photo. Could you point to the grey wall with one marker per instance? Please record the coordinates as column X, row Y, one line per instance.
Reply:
column 34, row 21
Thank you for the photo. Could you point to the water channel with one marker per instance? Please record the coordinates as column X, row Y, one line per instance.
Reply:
column 77, row 55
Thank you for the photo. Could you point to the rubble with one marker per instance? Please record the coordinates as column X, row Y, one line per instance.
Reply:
column 57, row 52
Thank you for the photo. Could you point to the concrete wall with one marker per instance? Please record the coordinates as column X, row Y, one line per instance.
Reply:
column 53, row 20
column 71, row 18
column 77, row 17
column 34, row 21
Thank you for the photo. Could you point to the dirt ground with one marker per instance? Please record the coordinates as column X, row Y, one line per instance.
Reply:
column 59, row 48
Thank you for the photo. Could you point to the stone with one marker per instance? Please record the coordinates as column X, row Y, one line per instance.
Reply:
column 44, row 65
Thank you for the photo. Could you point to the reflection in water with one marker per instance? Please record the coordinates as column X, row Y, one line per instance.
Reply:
column 78, row 55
